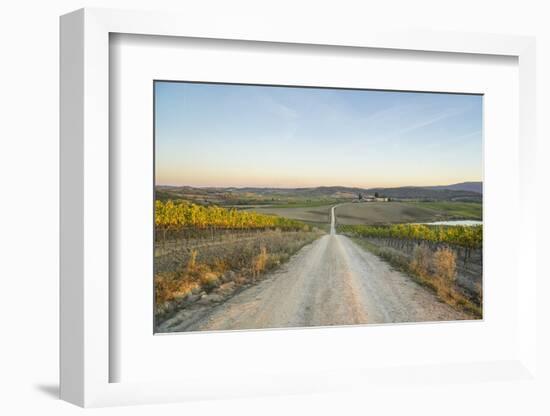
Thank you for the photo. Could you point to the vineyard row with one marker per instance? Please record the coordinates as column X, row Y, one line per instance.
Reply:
column 468, row 237
column 170, row 215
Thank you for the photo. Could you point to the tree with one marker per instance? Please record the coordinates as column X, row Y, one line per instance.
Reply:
column 376, row 194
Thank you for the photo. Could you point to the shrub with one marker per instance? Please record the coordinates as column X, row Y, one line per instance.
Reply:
column 259, row 262
column 444, row 263
column 164, row 288
column 209, row 281
column 420, row 262
column 192, row 263
column 169, row 286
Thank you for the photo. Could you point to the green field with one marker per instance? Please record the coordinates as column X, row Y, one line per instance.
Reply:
column 308, row 213
column 406, row 212
column 313, row 204
column 306, row 203
column 378, row 212
column 456, row 210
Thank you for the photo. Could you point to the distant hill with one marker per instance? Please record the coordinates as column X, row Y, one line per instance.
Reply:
column 463, row 186
column 428, row 193
column 317, row 192
column 467, row 191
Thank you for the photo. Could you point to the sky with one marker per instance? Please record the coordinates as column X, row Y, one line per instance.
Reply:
column 242, row 135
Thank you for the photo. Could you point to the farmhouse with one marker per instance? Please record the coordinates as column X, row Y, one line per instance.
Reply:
column 371, row 198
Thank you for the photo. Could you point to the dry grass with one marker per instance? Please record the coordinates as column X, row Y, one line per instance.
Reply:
column 435, row 270
column 169, row 286
column 444, row 264
column 259, row 262
column 195, row 275
column 438, row 271
column 316, row 214
column 203, row 269
column 420, row 263
column 192, row 263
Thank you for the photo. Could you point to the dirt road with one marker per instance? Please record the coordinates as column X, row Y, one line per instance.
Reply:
column 332, row 281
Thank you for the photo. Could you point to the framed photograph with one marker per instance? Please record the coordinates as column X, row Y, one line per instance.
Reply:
column 245, row 213
column 279, row 206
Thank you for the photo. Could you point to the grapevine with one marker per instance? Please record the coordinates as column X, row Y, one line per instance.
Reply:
column 172, row 215
column 468, row 237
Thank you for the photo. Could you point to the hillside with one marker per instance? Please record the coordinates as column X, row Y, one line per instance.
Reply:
column 428, row 193
column 463, row 186
column 467, row 191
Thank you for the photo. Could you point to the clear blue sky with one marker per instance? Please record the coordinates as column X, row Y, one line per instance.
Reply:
column 239, row 135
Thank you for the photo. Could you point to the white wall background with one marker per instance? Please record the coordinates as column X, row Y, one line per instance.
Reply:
column 29, row 204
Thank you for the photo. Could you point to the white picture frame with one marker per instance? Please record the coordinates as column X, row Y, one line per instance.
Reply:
column 86, row 356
